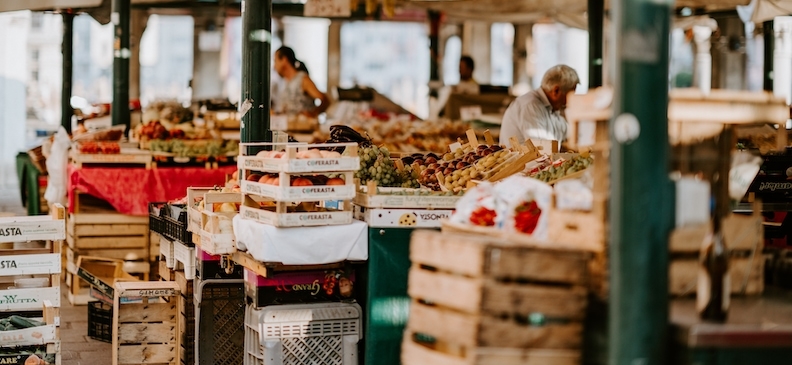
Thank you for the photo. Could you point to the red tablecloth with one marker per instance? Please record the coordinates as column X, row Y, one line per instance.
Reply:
column 129, row 190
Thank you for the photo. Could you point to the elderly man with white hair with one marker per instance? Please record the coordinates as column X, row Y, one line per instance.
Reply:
column 539, row 113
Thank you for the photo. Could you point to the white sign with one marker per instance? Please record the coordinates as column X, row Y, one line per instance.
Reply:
column 327, row 8
column 468, row 113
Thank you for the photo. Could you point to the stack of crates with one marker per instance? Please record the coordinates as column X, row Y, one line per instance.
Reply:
column 30, row 287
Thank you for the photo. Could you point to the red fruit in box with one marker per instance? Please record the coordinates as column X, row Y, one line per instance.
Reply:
column 336, row 181
column 253, row 177
column 301, row 181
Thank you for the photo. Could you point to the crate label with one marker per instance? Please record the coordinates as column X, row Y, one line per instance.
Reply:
column 30, row 264
column 147, row 293
column 407, row 201
column 29, row 336
column 405, row 218
column 28, row 299
column 300, row 193
column 20, row 359
column 15, row 230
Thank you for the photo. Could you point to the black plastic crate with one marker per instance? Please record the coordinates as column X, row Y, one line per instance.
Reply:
column 220, row 314
column 170, row 221
column 100, row 321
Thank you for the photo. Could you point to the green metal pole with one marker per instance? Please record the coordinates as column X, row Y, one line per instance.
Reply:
column 120, row 17
column 66, row 87
column 641, row 207
column 596, row 15
column 256, row 48
column 769, row 45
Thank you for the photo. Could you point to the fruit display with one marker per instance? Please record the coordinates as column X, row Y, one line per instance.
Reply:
column 376, row 165
column 195, row 148
column 560, row 168
column 460, row 166
column 93, row 147
column 407, row 136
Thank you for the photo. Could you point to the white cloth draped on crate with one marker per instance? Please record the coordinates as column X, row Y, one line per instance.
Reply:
column 302, row 245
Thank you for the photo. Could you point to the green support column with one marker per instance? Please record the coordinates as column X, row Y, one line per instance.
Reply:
column 120, row 18
column 66, row 87
column 769, row 45
column 256, row 48
column 596, row 15
column 641, row 210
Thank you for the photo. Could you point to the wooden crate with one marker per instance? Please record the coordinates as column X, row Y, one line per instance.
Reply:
column 147, row 332
column 472, row 294
column 99, row 272
column 94, row 231
column 42, row 335
column 744, row 237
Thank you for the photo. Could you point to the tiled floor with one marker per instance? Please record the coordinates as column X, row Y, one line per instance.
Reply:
column 76, row 347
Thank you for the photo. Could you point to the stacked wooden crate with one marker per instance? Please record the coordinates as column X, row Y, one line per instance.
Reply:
column 30, row 268
column 145, row 329
column 109, row 235
column 744, row 238
column 186, row 313
column 483, row 300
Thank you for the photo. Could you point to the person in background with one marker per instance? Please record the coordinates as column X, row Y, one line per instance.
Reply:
column 467, row 85
column 298, row 93
column 539, row 114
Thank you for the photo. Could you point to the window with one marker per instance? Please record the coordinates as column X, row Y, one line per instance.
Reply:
column 501, row 54
column 166, row 59
column 92, row 60
column 451, row 56
column 393, row 58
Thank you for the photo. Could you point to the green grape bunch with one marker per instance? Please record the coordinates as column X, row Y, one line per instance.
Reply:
column 376, row 165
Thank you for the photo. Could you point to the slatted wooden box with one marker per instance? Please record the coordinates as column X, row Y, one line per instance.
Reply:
column 474, row 294
column 147, row 332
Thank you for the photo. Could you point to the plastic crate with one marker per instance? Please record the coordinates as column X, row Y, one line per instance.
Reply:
column 100, row 321
column 170, row 221
column 219, row 320
column 304, row 334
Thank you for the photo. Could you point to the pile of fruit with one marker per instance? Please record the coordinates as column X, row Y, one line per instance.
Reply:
column 376, row 165
column 197, row 148
column 561, row 168
column 94, row 147
column 405, row 135
column 308, row 180
column 460, row 166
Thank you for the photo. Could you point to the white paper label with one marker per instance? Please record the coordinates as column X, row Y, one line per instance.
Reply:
column 468, row 113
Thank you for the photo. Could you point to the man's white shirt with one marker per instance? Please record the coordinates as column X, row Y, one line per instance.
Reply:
column 532, row 117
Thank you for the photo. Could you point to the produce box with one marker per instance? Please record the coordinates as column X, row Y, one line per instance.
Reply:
column 300, row 287
column 402, row 218
column 50, row 353
column 210, row 199
column 296, row 160
column 169, row 220
column 383, row 198
column 287, row 189
column 217, row 234
column 16, row 330
column 458, row 315
column 46, row 267
column 283, row 215
column 101, row 273
column 145, row 332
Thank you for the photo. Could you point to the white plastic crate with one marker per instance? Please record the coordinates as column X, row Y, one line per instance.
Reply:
column 305, row 334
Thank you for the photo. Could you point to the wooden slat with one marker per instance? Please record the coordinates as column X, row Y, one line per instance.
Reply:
column 102, row 230
column 147, row 333
column 107, row 218
column 416, row 354
column 147, row 313
column 500, row 298
column 148, row 354
column 134, row 289
column 91, row 243
column 471, row 330
column 118, row 254
column 452, row 291
column 477, row 255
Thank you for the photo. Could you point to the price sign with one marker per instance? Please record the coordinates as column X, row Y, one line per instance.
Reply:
column 327, row 8
column 468, row 113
